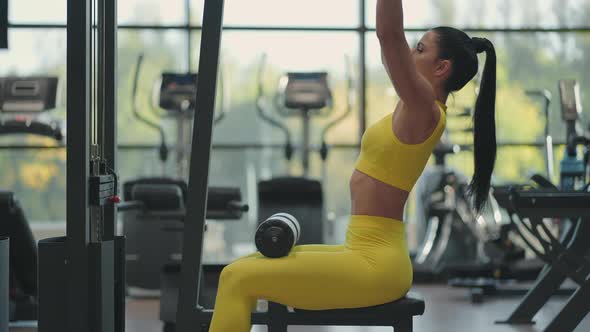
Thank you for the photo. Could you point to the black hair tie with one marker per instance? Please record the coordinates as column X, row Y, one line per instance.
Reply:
column 479, row 44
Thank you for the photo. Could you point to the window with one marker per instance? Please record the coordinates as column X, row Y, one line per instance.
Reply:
column 489, row 14
column 34, row 52
column 285, row 51
column 152, row 12
column 37, row 11
column 526, row 61
column 325, row 13
column 36, row 176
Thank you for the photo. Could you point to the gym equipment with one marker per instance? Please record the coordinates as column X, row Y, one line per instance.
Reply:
column 222, row 204
column 572, row 166
column 191, row 315
column 25, row 104
column 4, row 264
column 23, row 262
column 176, row 96
column 164, row 198
column 161, row 218
column 453, row 234
column 304, row 95
column 277, row 235
column 564, row 259
column 3, row 24
column 566, row 256
column 81, row 275
column 546, row 96
column 506, row 264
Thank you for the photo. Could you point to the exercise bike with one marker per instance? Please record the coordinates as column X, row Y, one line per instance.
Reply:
column 453, row 234
column 507, row 265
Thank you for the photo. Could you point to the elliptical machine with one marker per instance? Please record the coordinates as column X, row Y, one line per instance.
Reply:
column 24, row 103
column 304, row 95
column 162, row 200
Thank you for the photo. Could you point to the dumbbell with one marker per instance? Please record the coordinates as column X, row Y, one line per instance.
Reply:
column 277, row 235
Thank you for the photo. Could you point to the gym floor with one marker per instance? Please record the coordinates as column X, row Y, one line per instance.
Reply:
column 447, row 310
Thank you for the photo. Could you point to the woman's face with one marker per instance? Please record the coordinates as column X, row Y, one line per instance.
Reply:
column 425, row 55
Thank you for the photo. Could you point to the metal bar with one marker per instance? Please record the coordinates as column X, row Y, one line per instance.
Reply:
column 229, row 146
column 508, row 30
column 119, row 287
column 305, row 146
column 110, row 104
column 4, row 284
column 222, row 146
column 100, row 73
column 78, row 128
column 363, row 70
column 576, row 308
column 102, row 273
column 582, row 29
column 286, row 28
column 545, row 286
column 4, row 24
column 199, row 166
column 188, row 11
column 37, row 26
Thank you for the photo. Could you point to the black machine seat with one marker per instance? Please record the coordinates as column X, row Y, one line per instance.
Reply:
column 299, row 196
column 290, row 189
column 406, row 307
column 397, row 314
column 166, row 196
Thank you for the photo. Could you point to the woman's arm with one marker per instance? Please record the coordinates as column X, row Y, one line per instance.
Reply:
column 412, row 88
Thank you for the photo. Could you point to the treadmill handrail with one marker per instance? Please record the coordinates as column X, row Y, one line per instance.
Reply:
column 268, row 118
column 140, row 117
column 34, row 127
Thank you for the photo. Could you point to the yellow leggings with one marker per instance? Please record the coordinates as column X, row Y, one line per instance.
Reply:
column 372, row 267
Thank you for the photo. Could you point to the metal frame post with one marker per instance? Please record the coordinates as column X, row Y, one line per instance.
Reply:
column 78, row 128
column 199, row 166
column 3, row 24
column 110, row 103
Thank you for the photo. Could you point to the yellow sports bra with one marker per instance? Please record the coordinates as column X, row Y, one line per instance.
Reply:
column 384, row 157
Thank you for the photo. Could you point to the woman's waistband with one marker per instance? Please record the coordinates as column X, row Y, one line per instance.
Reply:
column 387, row 225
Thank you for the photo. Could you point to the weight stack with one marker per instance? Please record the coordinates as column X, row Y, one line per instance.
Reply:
column 4, row 266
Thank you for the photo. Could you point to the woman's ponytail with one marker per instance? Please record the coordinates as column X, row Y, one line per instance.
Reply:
column 484, row 127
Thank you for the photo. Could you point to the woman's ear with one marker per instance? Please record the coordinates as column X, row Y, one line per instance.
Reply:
column 443, row 69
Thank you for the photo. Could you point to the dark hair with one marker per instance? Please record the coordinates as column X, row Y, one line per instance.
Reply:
column 456, row 46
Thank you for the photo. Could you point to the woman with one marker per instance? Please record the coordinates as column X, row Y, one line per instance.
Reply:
column 373, row 266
